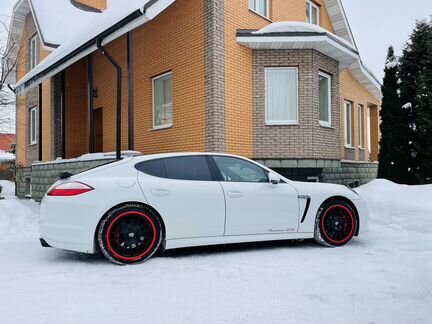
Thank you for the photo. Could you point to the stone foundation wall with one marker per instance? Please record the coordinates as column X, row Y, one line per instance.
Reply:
column 43, row 175
column 351, row 173
column 331, row 171
column 21, row 175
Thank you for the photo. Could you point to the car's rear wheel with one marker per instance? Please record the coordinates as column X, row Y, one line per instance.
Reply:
column 335, row 224
column 130, row 234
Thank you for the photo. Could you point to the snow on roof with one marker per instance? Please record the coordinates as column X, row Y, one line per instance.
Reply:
column 299, row 27
column 55, row 20
column 6, row 156
column 98, row 25
column 59, row 19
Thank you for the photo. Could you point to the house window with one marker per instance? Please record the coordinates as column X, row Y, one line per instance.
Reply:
column 325, row 99
column 368, row 127
column 348, row 124
column 261, row 7
column 33, row 52
column 281, row 96
column 312, row 13
column 162, row 101
column 361, row 125
column 34, row 125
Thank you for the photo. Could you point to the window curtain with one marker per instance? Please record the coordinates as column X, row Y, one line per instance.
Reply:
column 163, row 101
column 281, row 95
column 324, row 99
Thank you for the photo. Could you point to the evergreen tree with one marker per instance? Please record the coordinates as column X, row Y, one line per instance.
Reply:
column 415, row 92
column 423, row 140
column 392, row 161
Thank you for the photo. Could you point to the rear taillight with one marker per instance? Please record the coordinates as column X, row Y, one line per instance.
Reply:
column 70, row 189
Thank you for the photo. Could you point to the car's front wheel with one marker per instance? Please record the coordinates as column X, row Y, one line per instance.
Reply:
column 129, row 234
column 335, row 224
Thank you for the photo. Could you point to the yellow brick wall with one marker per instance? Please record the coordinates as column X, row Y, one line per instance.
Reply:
column 47, row 140
column 76, row 110
column 238, row 65
column 160, row 46
column 21, row 109
column 353, row 91
column 21, row 136
column 99, row 4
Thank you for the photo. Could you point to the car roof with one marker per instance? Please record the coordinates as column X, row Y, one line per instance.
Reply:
column 147, row 157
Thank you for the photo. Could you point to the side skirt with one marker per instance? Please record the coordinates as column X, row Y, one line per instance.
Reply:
column 217, row 240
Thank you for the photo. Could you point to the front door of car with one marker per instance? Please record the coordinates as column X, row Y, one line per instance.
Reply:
column 182, row 190
column 253, row 204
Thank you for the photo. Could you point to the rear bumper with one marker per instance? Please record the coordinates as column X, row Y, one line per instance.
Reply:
column 69, row 223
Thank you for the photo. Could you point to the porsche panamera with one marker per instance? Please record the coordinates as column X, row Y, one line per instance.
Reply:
column 132, row 208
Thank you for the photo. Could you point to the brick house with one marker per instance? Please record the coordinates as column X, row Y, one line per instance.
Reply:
column 281, row 82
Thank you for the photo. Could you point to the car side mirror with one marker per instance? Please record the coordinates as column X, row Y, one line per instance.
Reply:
column 274, row 178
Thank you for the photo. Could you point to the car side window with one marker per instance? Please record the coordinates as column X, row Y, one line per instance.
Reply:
column 154, row 168
column 188, row 168
column 238, row 170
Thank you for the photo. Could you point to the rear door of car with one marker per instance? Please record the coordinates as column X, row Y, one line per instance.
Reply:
column 183, row 189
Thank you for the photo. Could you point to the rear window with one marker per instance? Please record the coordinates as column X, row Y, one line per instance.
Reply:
column 154, row 168
column 188, row 168
column 178, row 168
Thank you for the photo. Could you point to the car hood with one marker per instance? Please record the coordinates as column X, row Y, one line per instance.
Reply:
column 330, row 189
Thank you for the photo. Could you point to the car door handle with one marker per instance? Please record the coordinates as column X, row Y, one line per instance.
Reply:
column 160, row 192
column 235, row 194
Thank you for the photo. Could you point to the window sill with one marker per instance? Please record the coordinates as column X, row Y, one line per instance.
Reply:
column 156, row 128
column 258, row 14
column 362, row 148
column 349, row 147
column 282, row 123
column 325, row 125
column 33, row 144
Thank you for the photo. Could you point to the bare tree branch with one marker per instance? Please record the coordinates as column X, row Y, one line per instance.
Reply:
column 9, row 53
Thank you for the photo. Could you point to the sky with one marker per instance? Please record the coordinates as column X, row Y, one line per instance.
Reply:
column 376, row 24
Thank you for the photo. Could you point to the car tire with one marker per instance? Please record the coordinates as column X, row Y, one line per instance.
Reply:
column 129, row 234
column 335, row 224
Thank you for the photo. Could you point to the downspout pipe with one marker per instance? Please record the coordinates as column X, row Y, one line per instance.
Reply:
column 119, row 93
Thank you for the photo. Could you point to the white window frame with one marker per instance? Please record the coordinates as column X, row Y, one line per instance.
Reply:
column 153, row 102
column 323, row 122
column 361, row 125
column 282, row 122
column 311, row 5
column 253, row 5
column 33, row 52
column 348, row 104
column 34, row 140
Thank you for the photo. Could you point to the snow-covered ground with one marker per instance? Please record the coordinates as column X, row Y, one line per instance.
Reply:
column 384, row 276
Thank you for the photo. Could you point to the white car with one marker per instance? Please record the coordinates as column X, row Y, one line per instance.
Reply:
column 134, row 207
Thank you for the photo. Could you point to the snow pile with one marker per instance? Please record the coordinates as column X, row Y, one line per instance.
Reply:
column 6, row 156
column 297, row 27
column 408, row 105
column 92, row 157
column 391, row 64
column 18, row 218
column 400, row 206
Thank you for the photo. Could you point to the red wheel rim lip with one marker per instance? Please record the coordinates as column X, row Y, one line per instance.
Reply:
column 352, row 226
column 119, row 256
